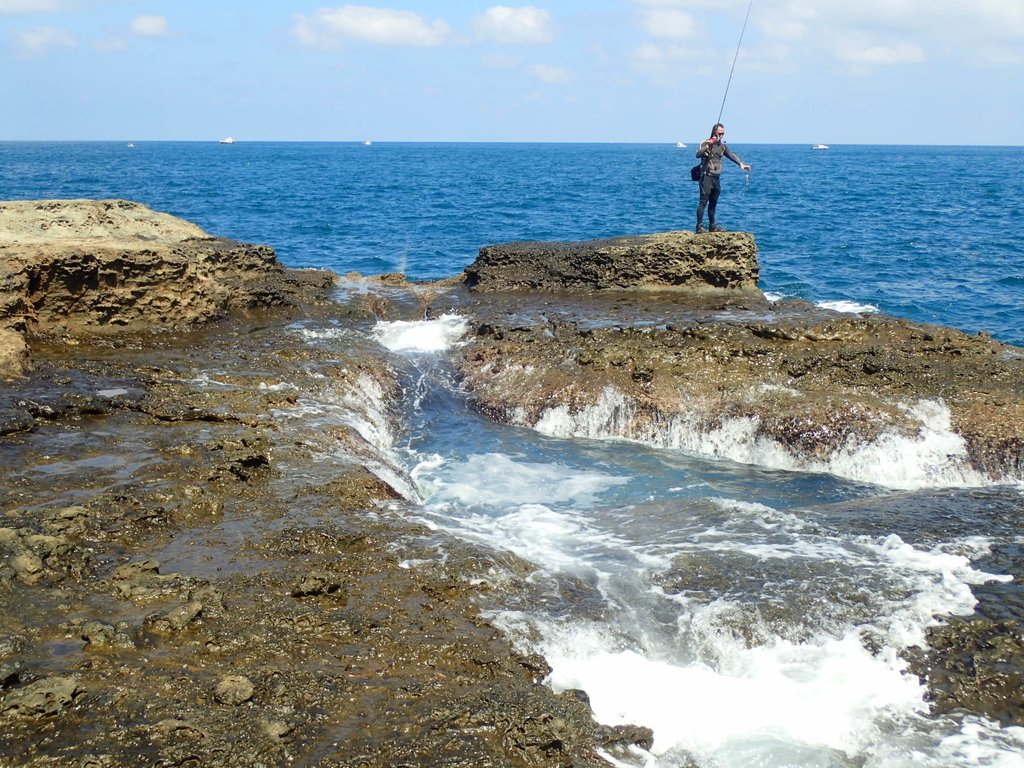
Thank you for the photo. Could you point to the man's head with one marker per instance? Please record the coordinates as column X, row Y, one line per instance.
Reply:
column 718, row 130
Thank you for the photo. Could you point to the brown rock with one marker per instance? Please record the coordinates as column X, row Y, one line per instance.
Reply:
column 74, row 267
column 234, row 690
column 661, row 261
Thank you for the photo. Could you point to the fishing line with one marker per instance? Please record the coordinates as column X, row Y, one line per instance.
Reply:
column 744, row 29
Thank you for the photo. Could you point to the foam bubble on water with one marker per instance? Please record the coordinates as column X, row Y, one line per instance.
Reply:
column 435, row 335
column 934, row 456
column 498, row 480
column 783, row 702
column 848, row 307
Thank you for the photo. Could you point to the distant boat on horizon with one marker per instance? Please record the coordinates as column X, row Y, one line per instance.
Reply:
column 131, row 146
column 680, row 145
column 228, row 140
column 367, row 143
column 819, row 146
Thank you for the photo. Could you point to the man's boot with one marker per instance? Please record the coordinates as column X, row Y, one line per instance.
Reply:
column 700, row 227
column 712, row 227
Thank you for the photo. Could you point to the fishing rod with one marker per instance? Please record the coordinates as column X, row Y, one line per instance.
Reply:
column 734, row 58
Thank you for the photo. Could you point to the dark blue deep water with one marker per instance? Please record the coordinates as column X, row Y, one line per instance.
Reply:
column 934, row 234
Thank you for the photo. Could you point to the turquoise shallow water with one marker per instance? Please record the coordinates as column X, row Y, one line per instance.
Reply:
column 928, row 233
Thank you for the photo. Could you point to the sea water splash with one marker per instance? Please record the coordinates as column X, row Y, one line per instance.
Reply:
column 421, row 335
column 934, row 457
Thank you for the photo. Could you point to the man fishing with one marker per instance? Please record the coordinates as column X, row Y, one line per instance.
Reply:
column 711, row 152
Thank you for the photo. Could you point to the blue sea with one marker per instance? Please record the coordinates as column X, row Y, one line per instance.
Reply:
column 749, row 613
column 928, row 233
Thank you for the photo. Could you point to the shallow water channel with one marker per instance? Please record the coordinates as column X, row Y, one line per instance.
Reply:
column 748, row 616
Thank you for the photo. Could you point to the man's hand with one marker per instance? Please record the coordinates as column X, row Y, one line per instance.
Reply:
column 744, row 167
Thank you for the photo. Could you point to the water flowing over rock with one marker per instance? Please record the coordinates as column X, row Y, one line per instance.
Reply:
column 732, row 375
column 661, row 261
column 204, row 551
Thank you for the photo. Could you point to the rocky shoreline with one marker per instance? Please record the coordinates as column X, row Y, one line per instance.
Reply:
column 178, row 588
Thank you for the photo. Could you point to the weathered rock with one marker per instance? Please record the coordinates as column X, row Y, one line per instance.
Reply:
column 975, row 665
column 43, row 698
column 234, row 690
column 815, row 384
column 663, row 261
column 101, row 266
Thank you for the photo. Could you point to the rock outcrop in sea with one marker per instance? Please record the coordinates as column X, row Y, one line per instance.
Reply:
column 729, row 374
column 662, row 261
column 203, row 556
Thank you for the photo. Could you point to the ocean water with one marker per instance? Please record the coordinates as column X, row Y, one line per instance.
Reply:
column 750, row 613
column 928, row 233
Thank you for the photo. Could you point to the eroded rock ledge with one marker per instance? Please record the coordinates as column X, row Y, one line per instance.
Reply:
column 660, row 261
column 73, row 267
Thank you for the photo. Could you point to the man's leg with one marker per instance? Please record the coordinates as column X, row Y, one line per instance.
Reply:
column 713, row 193
column 705, row 191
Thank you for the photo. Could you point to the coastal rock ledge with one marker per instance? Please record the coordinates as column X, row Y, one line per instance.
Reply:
column 87, row 267
column 659, row 261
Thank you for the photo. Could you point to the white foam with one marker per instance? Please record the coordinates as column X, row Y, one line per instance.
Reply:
column 361, row 405
column 435, row 335
column 710, row 695
column 498, row 480
column 934, row 456
column 849, row 307
column 822, row 696
column 773, row 297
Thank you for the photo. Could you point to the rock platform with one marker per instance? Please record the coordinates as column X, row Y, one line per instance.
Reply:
column 662, row 261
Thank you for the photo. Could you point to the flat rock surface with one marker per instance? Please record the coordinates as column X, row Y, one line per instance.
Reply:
column 681, row 261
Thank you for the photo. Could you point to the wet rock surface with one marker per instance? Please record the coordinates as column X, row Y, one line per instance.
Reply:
column 974, row 665
column 813, row 382
column 177, row 588
column 200, row 563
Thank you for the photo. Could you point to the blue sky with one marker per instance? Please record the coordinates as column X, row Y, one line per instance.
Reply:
column 833, row 71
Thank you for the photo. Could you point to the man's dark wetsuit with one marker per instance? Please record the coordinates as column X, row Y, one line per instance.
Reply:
column 710, row 183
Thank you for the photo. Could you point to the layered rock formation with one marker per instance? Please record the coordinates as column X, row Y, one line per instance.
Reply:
column 662, row 261
column 99, row 266
column 735, row 376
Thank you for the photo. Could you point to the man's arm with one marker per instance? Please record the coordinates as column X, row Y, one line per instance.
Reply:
column 735, row 158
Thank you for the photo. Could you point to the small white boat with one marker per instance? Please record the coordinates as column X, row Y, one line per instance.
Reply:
column 367, row 143
column 228, row 140
column 131, row 146
column 680, row 145
column 820, row 146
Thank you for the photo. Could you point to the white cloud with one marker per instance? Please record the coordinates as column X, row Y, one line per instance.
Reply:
column 515, row 25
column 880, row 55
column 328, row 27
column 31, row 6
column 38, row 41
column 149, row 26
column 550, row 75
column 865, row 33
column 671, row 23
